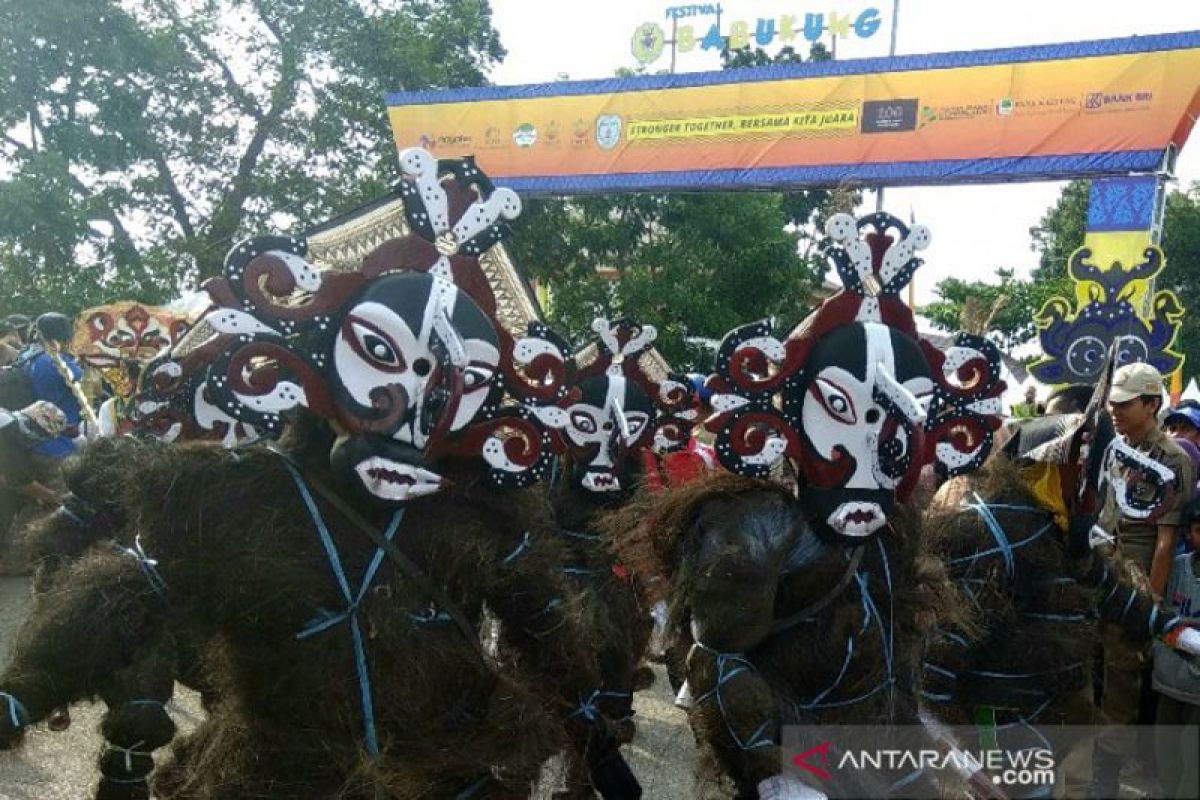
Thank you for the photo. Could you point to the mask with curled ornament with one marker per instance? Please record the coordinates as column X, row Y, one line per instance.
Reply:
column 174, row 404
column 623, row 401
column 404, row 357
column 854, row 397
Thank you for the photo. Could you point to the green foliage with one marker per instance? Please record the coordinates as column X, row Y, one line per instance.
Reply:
column 1061, row 230
column 694, row 265
column 1181, row 245
column 1059, row 234
column 1013, row 323
column 143, row 138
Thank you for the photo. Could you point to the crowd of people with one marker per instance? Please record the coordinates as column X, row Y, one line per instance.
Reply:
column 1160, row 558
column 437, row 562
column 40, row 415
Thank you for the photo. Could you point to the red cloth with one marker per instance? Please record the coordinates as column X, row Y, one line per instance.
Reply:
column 678, row 468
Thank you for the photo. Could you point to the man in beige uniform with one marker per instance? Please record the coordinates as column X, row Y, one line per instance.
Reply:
column 1144, row 548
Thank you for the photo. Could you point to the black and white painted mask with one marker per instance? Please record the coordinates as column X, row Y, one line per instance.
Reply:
column 414, row 359
column 612, row 418
column 862, row 410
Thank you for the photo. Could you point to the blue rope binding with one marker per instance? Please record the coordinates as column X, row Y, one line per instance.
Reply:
column 352, row 599
column 18, row 715
column 148, row 565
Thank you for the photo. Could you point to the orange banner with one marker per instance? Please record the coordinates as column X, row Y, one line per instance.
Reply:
column 1093, row 108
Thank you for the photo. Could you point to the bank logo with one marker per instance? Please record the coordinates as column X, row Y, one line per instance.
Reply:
column 1116, row 101
column 608, row 131
column 525, row 135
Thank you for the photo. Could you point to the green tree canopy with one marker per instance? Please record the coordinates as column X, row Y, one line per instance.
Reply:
column 693, row 265
column 141, row 139
column 1059, row 233
column 1013, row 324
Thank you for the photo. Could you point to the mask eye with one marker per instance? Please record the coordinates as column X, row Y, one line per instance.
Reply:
column 635, row 423
column 835, row 401
column 376, row 347
column 583, row 422
column 476, row 376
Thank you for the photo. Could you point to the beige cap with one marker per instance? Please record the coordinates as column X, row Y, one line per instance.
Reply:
column 1135, row 380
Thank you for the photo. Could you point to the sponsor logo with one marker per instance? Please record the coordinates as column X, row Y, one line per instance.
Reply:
column 608, row 131
column 493, row 137
column 1036, row 106
column 581, row 133
column 1117, row 101
column 525, row 135
column 949, row 113
column 889, row 116
column 1004, row 106
column 553, row 137
column 456, row 140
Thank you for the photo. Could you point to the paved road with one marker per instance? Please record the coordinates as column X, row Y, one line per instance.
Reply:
column 61, row 766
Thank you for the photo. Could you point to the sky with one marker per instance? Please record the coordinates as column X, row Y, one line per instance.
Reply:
column 551, row 40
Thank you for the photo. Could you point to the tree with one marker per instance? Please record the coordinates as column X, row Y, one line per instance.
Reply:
column 1059, row 233
column 142, row 139
column 1013, row 324
column 1181, row 245
column 693, row 265
column 1061, row 230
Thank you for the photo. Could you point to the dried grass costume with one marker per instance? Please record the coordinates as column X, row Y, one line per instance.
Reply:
column 334, row 589
column 625, row 408
column 1018, row 538
column 809, row 599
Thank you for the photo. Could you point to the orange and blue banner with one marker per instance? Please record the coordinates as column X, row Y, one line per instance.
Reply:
column 1094, row 108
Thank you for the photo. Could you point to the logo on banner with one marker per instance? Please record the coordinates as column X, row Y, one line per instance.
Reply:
column 950, row 113
column 608, row 131
column 580, row 133
column 525, row 135
column 1116, row 101
column 493, row 137
column 889, row 116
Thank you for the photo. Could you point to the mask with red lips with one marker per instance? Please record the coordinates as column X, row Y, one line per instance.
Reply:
column 414, row 360
column 854, row 397
column 617, row 408
column 405, row 357
column 862, row 409
column 612, row 418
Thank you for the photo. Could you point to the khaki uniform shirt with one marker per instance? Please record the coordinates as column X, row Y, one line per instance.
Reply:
column 1136, row 538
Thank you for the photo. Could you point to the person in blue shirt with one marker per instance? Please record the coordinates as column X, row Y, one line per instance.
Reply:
column 48, row 379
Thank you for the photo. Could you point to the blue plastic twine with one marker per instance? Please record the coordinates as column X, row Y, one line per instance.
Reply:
column 352, row 603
